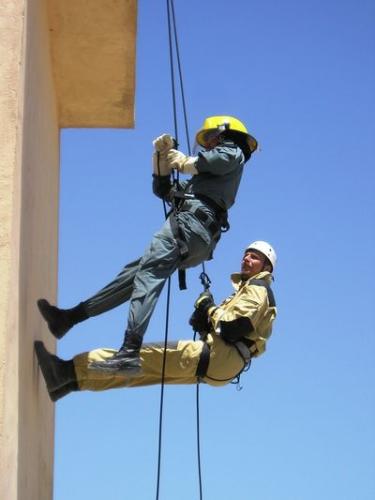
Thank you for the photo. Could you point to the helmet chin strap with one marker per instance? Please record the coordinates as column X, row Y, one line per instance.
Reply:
column 268, row 264
column 223, row 127
column 220, row 129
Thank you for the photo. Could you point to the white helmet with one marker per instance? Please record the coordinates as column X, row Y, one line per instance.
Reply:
column 264, row 248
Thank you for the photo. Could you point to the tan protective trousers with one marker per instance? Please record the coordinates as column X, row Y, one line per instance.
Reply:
column 181, row 365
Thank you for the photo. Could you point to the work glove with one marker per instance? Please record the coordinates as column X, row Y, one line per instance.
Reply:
column 204, row 301
column 200, row 320
column 182, row 163
column 160, row 164
column 163, row 143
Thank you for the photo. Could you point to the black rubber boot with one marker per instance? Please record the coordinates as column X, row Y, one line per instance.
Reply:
column 63, row 391
column 60, row 321
column 59, row 375
column 126, row 361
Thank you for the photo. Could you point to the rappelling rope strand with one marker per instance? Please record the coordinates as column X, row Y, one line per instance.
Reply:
column 187, row 133
column 204, row 278
column 176, row 181
column 171, row 10
column 171, row 65
column 162, row 389
column 198, row 443
column 173, row 85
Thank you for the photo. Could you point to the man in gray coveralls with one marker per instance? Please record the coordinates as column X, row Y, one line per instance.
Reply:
column 187, row 238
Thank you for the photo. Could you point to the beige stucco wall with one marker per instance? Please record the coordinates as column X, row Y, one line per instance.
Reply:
column 62, row 63
column 38, row 253
column 93, row 51
column 29, row 160
column 11, row 28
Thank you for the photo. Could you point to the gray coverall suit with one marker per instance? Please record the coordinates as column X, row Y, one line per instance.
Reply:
column 141, row 281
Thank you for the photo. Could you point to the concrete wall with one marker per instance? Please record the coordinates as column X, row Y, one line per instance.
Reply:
column 29, row 160
column 11, row 30
column 45, row 82
column 93, row 51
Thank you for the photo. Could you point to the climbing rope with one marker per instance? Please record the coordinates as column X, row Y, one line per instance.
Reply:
column 172, row 27
column 179, row 65
column 162, row 388
column 198, row 441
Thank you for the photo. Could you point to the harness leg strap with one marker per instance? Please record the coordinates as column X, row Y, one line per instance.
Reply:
column 184, row 251
column 204, row 361
column 182, row 279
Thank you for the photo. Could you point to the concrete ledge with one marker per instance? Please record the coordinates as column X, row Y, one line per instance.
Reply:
column 93, row 58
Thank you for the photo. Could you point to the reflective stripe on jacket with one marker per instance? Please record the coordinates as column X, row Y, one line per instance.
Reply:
column 250, row 301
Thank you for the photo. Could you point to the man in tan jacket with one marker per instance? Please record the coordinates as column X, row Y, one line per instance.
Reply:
column 232, row 333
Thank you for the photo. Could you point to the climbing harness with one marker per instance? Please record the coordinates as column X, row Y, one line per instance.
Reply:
column 215, row 224
column 244, row 346
column 204, row 361
column 211, row 224
column 243, row 349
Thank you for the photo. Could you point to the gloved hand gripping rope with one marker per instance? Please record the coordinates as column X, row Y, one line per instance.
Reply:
column 200, row 320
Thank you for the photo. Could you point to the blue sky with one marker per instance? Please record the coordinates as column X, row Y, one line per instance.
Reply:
column 301, row 76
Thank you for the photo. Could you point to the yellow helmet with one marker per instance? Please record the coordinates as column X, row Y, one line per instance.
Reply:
column 220, row 124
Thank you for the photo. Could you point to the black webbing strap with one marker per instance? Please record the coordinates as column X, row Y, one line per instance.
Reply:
column 178, row 234
column 183, row 248
column 271, row 297
column 210, row 224
column 182, row 279
column 204, row 361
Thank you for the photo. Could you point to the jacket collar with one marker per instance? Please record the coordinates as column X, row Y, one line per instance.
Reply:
column 237, row 281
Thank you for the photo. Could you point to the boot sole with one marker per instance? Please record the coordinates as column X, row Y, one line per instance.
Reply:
column 63, row 391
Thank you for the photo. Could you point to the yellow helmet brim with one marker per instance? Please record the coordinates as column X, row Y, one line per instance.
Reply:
column 222, row 123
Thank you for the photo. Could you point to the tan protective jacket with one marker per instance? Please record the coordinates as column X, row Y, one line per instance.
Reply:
column 250, row 301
